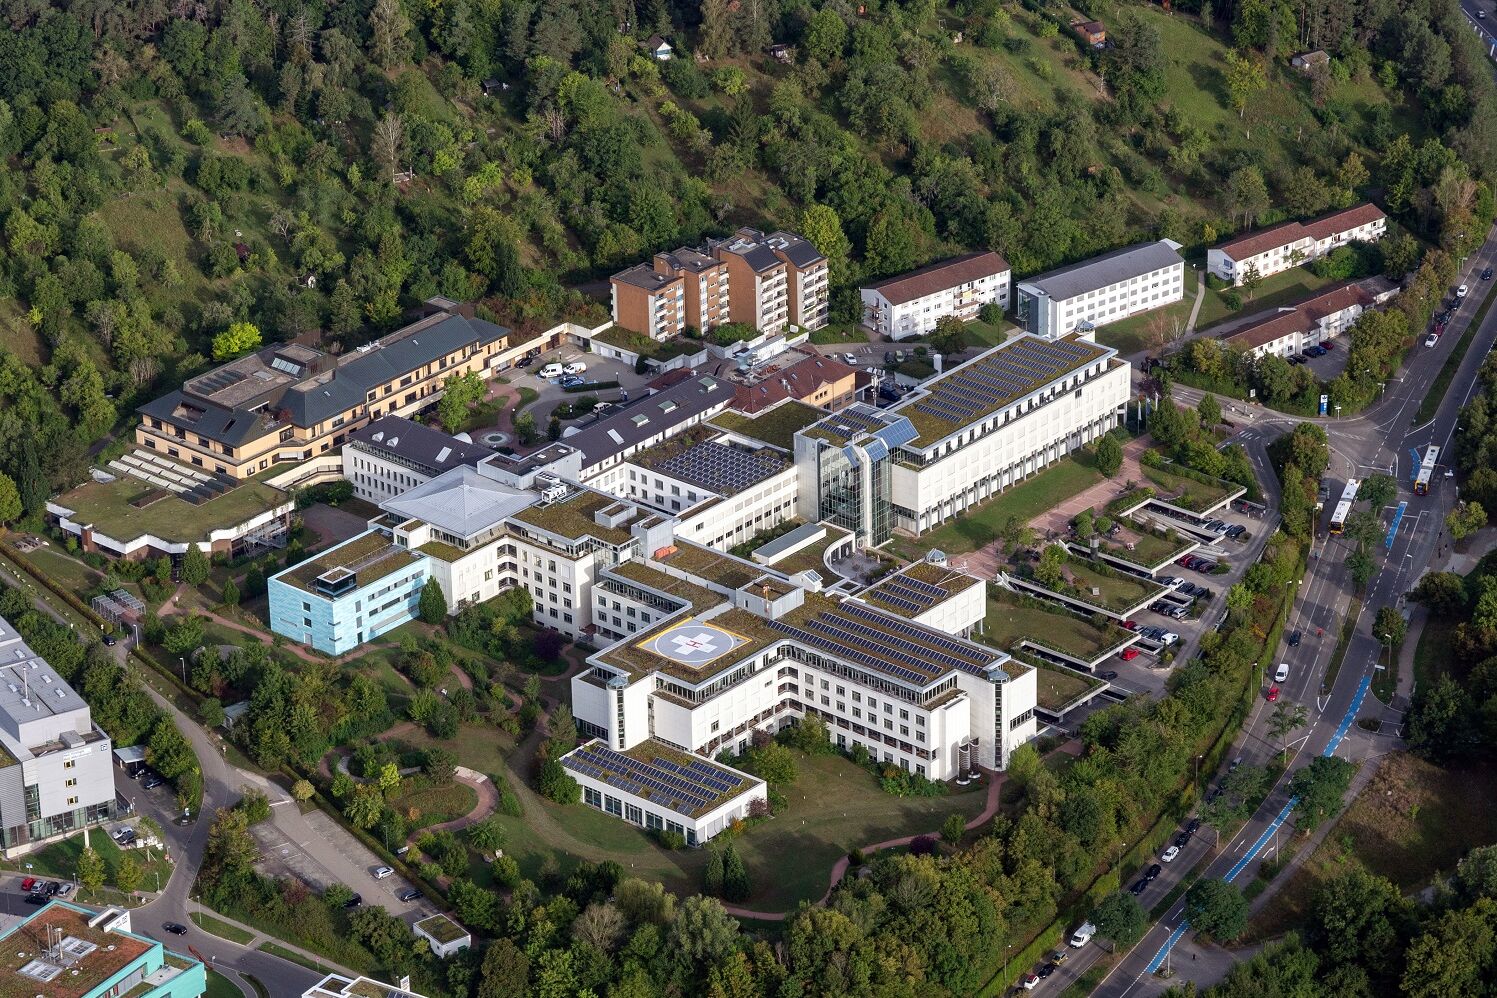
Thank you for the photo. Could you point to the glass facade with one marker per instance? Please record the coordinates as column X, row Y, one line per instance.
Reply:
column 854, row 491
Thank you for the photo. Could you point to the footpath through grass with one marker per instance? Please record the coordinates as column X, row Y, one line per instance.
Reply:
column 1431, row 403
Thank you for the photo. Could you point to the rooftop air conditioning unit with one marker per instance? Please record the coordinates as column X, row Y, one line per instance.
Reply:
column 1096, row 591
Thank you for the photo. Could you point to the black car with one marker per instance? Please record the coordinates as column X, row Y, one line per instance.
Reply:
column 1138, row 888
column 1295, row 638
column 1182, row 840
column 1153, row 871
column 1193, row 826
column 53, row 888
column 409, row 894
column 175, row 928
column 354, row 901
column 37, row 897
column 1107, row 676
column 1046, row 970
column 109, row 639
column 152, row 782
column 1486, row 275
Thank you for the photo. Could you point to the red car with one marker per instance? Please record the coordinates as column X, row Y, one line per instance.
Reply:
column 1327, row 344
column 1184, row 560
column 28, row 884
column 1132, row 625
column 1273, row 694
column 1129, row 654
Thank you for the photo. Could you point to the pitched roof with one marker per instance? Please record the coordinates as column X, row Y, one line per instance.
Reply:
column 1107, row 269
column 461, row 501
column 940, row 276
column 639, row 419
column 421, row 445
column 1298, row 318
column 796, row 381
column 1253, row 243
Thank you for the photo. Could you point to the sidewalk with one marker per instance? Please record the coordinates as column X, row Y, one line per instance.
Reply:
column 201, row 948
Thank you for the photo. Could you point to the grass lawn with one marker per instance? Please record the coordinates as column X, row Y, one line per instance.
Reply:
column 1117, row 591
column 776, row 426
column 980, row 525
column 1436, row 649
column 107, row 507
column 1008, row 621
column 220, row 928
column 276, row 949
column 436, row 804
column 220, row 986
column 986, row 334
column 1283, row 288
column 1057, row 686
column 1187, row 493
column 830, row 336
column 59, row 861
column 1131, row 335
column 476, row 746
column 1412, row 823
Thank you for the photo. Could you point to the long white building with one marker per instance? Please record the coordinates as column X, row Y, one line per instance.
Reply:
column 1293, row 243
column 1104, row 289
column 960, row 438
column 911, row 304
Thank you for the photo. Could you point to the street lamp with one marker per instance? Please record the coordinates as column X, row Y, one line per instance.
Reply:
column 183, row 661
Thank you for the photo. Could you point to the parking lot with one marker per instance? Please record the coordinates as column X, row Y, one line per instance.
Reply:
column 551, row 393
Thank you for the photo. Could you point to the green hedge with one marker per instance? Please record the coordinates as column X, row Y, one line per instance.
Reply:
column 591, row 386
column 1048, row 939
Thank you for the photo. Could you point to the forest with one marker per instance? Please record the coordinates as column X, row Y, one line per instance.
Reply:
column 173, row 170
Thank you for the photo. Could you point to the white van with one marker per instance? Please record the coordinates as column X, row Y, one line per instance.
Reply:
column 1281, row 674
column 575, row 367
column 551, row 371
column 1083, row 935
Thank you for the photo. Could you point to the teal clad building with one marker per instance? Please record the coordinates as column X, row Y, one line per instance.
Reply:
column 348, row 594
column 65, row 951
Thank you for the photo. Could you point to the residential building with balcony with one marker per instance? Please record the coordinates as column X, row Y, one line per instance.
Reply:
column 760, row 279
column 911, row 304
column 287, row 402
column 1325, row 315
column 1105, row 289
column 67, row 951
column 1278, row 248
column 706, row 285
column 56, row 765
column 648, row 301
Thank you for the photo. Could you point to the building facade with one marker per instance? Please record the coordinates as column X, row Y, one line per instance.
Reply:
column 1293, row 243
column 339, row 986
column 67, row 951
column 1102, row 290
column 393, row 455
column 911, row 304
column 349, row 594
column 649, row 302
column 287, row 403
column 706, row 289
column 56, row 765
column 1289, row 330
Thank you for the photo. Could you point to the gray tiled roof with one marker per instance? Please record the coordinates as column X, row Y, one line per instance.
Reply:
column 420, row 445
column 1104, row 270
column 640, row 419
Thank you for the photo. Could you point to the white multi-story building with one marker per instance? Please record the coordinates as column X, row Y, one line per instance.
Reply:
column 721, row 647
column 393, row 455
column 960, row 438
column 1104, row 289
column 911, row 304
column 56, row 765
column 644, row 422
column 1293, row 243
column 1289, row 330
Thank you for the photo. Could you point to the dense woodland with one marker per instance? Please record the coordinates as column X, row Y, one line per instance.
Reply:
column 172, row 169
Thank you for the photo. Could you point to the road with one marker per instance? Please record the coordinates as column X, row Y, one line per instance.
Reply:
column 1378, row 440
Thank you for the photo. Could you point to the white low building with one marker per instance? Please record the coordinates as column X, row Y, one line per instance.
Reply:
column 1102, row 290
column 393, row 455
column 960, row 438
column 747, row 649
column 341, row 986
column 911, row 304
column 1293, row 243
column 444, row 936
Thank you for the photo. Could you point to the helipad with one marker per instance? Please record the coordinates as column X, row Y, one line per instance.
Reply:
column 693, row 643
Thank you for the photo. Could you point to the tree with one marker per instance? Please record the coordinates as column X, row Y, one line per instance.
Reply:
column 1048, row 571
column 1320, row 787
column 387, row 143
column 1443, row 593
column 826, row 37
column 1247, row 194
column 364, row 806
column 556, row 784
column 1377, row 490
column 10, row 500
column 703, row 931
column 90, row 870
column 601, row 926
column 949, row 336
column 1389, row 627
column 460, row 393
column 1453, row 958
column 1210, row 410
column 389, row 44
column 1109, row 455
column 195, row 566
column 211, row 712
column 389, row 779
column 432, row 608
column 1245, row 78
column 239, row 338
column 230, row 593
column 1355, row 918
column 736, row 884
column 1216, row 908
column 485, row 835
column 1465, row 519
column 302, row 790
column 953, row 828
column 128, row 874
column 1120, row 918
column 1361, row 567
column 1439, row 720
column 1287, row 717
column 712, row 874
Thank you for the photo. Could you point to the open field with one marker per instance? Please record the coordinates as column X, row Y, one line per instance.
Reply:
column 1415, row 820
column 981, row 525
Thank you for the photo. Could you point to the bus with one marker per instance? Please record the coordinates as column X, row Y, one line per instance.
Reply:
column 1426, row 470
column 1343, row 508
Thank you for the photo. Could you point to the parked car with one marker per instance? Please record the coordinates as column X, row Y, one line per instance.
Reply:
column 1046, row 970
column 382, row 872
column 52, row 888
column 1153, row 872
column 1059, row 956
column 1128, row 654
column 552, row 370
column 1138, row 887
column 525, row 361
column 1182, row 840
column 1461, row 291
column 1168, row 638
column 1486, row 275
column 409, row 894
column 1432, row 339
column 575, row 367
column 1236, row 530
column 64, row 890
column 354, row 901
column 1031, row 981
column 851, row 359
column 1110, row 675
column 1131, row 625
column 152, row 782
column 1168, row 856
column 1327, row 345
column 1294, row 638
column 175, row 928
column 109, row 640
column 1281, row 674
column 36, row 897
column 1193, row 826
column 28, row 884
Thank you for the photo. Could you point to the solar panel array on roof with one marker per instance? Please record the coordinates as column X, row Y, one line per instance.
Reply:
column 879, row 663
column 216, row 381
column 994, row 381
column 682, row 788
column 973, row 659
column 721, row 467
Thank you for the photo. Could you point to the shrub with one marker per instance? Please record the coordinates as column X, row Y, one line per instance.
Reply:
column 670, row 840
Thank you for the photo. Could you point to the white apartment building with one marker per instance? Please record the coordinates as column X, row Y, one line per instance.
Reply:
column 746, row 649
column 911, row 304
column 960, row 438
column 1104, row 289
column 1289, row 330
column 393, row 455
column 721, row 491
column 56, row 765
column 1293, row 243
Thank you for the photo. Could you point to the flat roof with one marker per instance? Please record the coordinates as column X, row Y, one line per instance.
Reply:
column 339, row 986
column 370, row 557
column 859, row 422
column 917, row 588
column 572, row 517
column 111, row 508
column 88, row 955
column 723, row 468
column 688, row 784
column 644, row 276
column 697, row 597
column 775, row 426
column 777, row 548
column 711, row 565
column 998, row 378
column 1105, row 270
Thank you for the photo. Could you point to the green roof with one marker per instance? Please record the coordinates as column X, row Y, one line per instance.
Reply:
column 713, row 566
column 441, row 928
column 572, row 518
column 374, row 553
column 775, row 426
column 107, row 507
column 699, row 597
